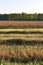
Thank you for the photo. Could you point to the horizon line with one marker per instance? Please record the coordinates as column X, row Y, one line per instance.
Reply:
column 21, row 13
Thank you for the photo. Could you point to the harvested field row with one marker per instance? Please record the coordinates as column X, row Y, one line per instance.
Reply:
column 22, row 23
column 26, row 37
column 23, row 38
column 21, row 53
column 23, row 30
column 21, row 35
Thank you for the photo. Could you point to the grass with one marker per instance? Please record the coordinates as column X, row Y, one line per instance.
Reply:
column 15, row 63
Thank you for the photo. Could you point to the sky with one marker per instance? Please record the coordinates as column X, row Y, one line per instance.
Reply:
column 19, row 6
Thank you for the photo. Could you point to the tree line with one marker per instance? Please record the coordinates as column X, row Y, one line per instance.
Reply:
column 22, row 16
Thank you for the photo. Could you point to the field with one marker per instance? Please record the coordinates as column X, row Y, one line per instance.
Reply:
column 21, row 41
column 19, row 24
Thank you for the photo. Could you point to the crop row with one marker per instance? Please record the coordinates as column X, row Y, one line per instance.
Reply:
column 27, row 37
column 21, row 23
column 23, row 30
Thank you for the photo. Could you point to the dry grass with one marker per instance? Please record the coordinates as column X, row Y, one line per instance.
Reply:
column 21, row 52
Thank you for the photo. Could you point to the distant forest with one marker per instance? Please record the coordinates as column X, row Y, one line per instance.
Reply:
column 22, row 17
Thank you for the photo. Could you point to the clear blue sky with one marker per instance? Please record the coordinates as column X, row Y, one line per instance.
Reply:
column 18, row 6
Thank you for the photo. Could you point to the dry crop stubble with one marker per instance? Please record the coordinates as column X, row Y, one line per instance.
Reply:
column 21, row 53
